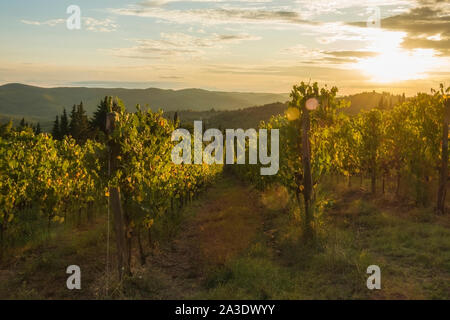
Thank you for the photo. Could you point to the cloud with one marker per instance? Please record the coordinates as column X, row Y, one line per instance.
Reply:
column 326, row 58
column 215, row 16
column 423, row 20
column 443, row 47
column 96, row 25
column 160, row 3
column 319, row 7
column 426, row 26
column 89, row 23
column 179, row 45
column 352, row 54
column 51, row 23
column 287, row 69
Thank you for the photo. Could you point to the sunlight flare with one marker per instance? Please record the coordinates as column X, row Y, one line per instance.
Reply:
column 399, row 65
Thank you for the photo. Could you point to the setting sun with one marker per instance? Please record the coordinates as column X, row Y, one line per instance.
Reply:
column 399, row 65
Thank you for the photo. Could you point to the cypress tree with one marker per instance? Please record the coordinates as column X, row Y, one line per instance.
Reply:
column 84, row 124
column 73, row 120
column 38, row 129
column 55, row 131
column 98, row 122
column 176, row 119
column 64, row 124
column 79, row 124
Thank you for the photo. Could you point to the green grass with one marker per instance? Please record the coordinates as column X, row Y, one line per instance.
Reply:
column 412, row 250
column 37, row 271
column 253, row 276
column 411, row 245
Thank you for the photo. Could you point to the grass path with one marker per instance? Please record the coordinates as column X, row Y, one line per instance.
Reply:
column 221, row 225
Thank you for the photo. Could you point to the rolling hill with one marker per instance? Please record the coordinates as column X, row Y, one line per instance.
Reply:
column 43, row 104
column 215, row 108
column 242, row 118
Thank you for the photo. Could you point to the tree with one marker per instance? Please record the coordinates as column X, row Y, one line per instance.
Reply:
column 175, row 118
column 73, row 119
column 22, row 123
column 79, row 124
column 56, row 129
column 99, row 119
column 38, row 129
column 64, row 124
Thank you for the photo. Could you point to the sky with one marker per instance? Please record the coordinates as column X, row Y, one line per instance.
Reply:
column 228, row 45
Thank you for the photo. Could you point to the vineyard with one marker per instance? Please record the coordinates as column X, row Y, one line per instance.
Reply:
column 408, row 144
column 45, row 182
column 124, row 177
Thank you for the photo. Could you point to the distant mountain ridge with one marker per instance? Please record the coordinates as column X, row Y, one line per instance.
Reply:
column 231, row 109
column 36, row 103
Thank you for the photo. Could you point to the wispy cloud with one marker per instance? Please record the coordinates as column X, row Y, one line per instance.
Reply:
column 214, row 16
column 100, row 25
column 181, row 45
column 160, row 3
column 319, row 7
column 89, row 23
column 326, row 58
column 51, row 23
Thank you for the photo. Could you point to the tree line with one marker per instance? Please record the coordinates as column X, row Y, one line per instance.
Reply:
column 79, row 126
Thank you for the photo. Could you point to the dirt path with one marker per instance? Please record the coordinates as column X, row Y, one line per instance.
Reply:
column 225, row 221
column 217, row 227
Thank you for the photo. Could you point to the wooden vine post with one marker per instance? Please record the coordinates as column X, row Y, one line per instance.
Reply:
column 443, row 172
column 115, row 202
column 310, row 104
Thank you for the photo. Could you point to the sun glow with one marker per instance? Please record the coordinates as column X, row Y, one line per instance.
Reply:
column 399, row 65
column 394, row 63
